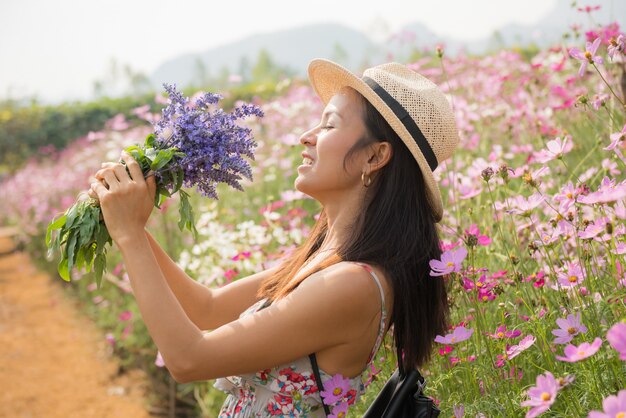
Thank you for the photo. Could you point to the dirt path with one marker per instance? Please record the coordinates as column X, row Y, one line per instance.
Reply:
column 54, row 362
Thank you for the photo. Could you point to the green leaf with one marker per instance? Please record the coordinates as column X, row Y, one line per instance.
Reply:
column 151, row 154
column 150, row 140
column 99, row 267
column 55, row 224
column 63, row 270
column 163, row 157
column 71, row 215
column 71, row 250
column 186, row 214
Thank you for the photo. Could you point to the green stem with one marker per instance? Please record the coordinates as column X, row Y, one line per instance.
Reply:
column 608, row 85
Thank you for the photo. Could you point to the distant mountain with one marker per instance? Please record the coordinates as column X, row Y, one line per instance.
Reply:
column 294, row 48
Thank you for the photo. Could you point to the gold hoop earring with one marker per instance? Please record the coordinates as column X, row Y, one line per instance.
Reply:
column 369, row 180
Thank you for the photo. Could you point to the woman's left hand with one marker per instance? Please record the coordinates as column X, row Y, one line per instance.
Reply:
column 126, row 201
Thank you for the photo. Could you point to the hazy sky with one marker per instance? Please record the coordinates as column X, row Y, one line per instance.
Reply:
column 56, row 48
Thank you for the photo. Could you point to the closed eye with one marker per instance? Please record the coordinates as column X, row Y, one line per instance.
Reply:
column 326, row 127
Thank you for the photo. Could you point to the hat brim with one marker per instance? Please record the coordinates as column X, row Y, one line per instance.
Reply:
column 327, row 78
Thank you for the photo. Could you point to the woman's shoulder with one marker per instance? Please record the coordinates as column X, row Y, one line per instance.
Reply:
column 351, row 281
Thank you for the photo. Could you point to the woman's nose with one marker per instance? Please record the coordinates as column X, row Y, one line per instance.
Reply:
column 308, row 137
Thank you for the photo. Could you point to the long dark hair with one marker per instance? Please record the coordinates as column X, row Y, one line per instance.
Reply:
column 396, row 230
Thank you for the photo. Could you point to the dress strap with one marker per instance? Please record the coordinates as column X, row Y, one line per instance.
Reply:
column 383, row 315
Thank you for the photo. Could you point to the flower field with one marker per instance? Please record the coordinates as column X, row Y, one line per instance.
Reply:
column 533, row 232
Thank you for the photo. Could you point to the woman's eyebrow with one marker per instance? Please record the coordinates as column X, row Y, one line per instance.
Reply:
column 331, row 111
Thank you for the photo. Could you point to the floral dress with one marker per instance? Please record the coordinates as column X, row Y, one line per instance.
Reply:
column 289, row 390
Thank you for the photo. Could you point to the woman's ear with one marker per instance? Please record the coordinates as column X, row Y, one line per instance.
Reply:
column 382, row 152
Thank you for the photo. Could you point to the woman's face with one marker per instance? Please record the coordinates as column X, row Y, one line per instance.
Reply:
column 341, row 126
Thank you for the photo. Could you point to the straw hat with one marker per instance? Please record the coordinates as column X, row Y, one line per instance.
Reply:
column 412, row 105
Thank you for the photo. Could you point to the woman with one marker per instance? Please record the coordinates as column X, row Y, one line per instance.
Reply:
column 369, row 163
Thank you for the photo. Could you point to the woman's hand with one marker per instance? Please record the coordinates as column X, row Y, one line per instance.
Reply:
column 126, row 201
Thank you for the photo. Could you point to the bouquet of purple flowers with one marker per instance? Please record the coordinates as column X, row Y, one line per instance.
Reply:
column 191, row 146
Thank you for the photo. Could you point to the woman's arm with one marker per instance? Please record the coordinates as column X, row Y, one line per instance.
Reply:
column 208, row 308
column 333, row 308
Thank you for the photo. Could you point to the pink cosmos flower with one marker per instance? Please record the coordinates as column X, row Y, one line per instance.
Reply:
column 336, row 388
column 587, row 57
column 572, row 275
column 607, row 192
column 598, row 100
column 594, row 228
column 126, row 315
column 555, row 149
column 617, row 339
column 574, row 354
column 523, row 345
column 614, row 406
column 459, row 334
column 542, row 396
column 568, row 328
column 339, row 411
column 616, row 138
column 450, row 262
column 474, row 231
column 501, row 332
column 616, row 46
column 523, row 206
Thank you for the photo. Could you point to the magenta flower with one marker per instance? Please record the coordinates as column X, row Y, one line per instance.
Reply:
column 474, row 231
column 568, row 328
column 502, row 332
column 614, row 407
column 542, row 396
column 587, row 57
column 617, row 339
column 459, row 334
column 616, row 138
column 336, row 388
column 523, row 345
column 616, row 46
column 574, row 354
column 339, row 411
column 126, row 316
column 555, row 149
column 450, row 262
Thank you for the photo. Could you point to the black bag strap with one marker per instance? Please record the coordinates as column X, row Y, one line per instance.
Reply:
column 318, row 381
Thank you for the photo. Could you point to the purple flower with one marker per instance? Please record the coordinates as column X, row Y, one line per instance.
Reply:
column 450, row 262
column 614, row 407
column 574, row 354
column 568, row 328
column 336, row 389
column 459, row 334
column 587, row 57
column 617, row 339
column 339, row 411
column 212, row 144
column 542, row 396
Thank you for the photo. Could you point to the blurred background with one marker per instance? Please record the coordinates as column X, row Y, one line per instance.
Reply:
column 80, row 80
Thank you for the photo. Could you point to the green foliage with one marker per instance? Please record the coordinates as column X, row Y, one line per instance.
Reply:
column 24, row 130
